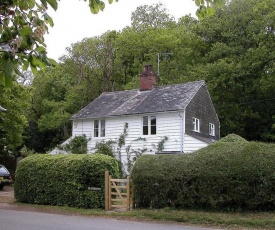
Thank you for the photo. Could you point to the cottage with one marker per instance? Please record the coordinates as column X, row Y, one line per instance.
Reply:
column 153, row 119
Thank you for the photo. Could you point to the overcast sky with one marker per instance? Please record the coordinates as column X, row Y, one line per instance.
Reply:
column 73, row 20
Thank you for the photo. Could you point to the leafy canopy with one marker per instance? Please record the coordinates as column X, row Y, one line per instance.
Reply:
column 22, row 28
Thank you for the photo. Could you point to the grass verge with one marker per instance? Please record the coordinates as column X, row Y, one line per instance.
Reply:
column 230, row 220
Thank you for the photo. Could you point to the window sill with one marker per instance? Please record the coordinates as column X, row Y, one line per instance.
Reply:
column 98, row 138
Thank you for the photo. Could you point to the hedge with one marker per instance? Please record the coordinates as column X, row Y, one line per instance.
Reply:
column 222, row 176
column 63, row 180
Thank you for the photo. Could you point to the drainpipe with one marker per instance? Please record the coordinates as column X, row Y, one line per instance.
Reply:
column 182, row 130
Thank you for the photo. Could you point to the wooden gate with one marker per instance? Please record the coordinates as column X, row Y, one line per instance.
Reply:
column 117, row 193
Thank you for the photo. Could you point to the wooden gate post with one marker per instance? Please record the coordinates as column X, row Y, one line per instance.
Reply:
column 128, row 194
column 110, row 193
column 107, row 191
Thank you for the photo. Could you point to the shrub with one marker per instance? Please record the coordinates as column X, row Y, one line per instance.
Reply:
column 223, row 176
column 233, row 138
column 63, row 180
column 77, row 145
column 105, row 148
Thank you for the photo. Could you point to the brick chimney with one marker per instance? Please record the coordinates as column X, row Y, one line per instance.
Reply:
column 148, row 78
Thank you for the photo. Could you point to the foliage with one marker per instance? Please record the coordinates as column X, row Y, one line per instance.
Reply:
column 208, row 8
column 232, row 138
column 121, row 140
column 151, row 16
column 77, row 145
column 160, row 145
column 25, row 152
column 94, row 60
column 239, row 66
column 63, row 180
column 105, row 148
column 231, row 51
column 222, row 176
column 133, row 155
column 13, row 121
column 23, row 25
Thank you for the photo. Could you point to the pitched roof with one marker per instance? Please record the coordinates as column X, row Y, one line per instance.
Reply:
column 128, row 102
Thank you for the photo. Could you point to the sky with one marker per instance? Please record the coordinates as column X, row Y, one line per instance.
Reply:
column 73, row 20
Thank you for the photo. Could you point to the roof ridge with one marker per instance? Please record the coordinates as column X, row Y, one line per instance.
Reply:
column 161, row 86
column 190, row 82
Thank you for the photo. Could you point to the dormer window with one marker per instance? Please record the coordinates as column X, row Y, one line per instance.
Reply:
column 196, row 124
column 211, row 129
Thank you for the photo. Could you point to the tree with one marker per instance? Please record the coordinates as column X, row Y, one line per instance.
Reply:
column 22, row 27
column 13, row 121
column 239, row 66
column 94, row 60
column 153, row 16
column 170, row 47
column 208, row 7
column 54, row 98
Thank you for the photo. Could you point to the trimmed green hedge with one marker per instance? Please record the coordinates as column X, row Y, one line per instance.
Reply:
column 63, row 179
column 222, row 176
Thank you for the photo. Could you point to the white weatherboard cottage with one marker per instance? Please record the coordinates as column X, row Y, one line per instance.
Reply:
column 176, row 118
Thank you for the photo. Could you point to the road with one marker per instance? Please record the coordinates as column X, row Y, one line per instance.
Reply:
column 22, row 220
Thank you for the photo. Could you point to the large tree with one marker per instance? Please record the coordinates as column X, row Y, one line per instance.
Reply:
column 22, row 28
column 239, row 66
column 13, row 120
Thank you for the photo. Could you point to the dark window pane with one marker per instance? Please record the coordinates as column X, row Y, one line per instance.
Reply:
column 96, row 124
column 96, row 128
column 145, row 125
column 153, row 125
column 153, row 121
column 102, row 132
column 145, row 130
column 153, row 130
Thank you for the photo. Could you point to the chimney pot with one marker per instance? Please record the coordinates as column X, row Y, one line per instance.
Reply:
column 145, row 68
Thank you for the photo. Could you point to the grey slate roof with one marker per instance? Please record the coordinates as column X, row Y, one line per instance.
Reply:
column 128, row 102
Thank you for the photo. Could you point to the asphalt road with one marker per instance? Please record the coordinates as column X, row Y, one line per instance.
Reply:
column 21, row 220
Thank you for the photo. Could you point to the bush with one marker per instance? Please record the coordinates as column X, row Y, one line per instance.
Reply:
column 223, row 176
column 77, row 145
column 233, row 138
column 63, row 179
column 105, row 148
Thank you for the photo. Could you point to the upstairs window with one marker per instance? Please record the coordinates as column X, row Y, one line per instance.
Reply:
column 211, row 129
column 99, row 128
column 196, row 124
column 102, row 128
column 149, row 125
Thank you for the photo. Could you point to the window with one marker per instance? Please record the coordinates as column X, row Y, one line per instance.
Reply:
column 153, row 125
column 196, row 124
column 96, row 126
column 211, row 129
column 149, row 125
column 102, row 128
column 145, row 126
column 99, row 128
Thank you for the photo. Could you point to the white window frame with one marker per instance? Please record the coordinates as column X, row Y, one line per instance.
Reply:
column 211, row 129
column 149, row 119
column 101, row 129
column 196, row 125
